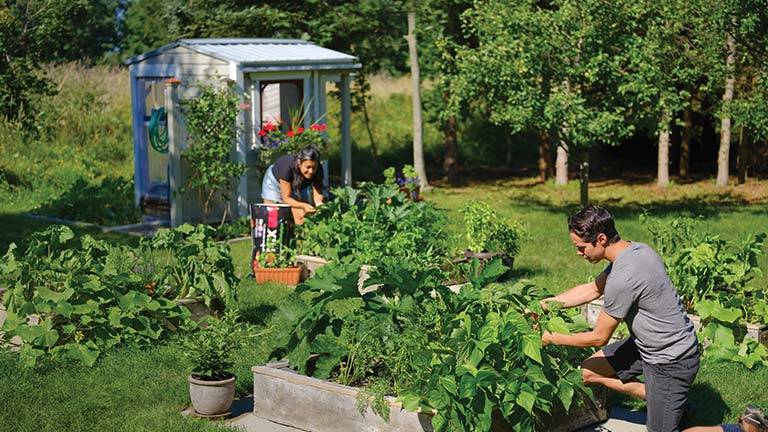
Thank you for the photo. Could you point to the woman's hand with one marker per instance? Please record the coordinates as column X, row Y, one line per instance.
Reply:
column 308, row 208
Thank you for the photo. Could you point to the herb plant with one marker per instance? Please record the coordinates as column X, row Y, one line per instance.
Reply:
column 210, row 348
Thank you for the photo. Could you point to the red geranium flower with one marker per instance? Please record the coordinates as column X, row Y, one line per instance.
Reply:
column 319, row 127
column 262, row 132
column 299, row 130
column 290, row 133
column 269, row 127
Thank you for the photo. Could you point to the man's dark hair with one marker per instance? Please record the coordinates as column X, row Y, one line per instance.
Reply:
column 591, row 221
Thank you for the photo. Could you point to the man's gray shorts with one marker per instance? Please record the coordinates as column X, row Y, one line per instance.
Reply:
column 666, row 385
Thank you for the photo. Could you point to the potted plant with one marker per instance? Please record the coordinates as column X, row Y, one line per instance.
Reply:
column 277, row 266
column 489, row 236
column 211, row 383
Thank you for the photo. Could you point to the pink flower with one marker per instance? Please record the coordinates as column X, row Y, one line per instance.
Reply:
column 244, row 106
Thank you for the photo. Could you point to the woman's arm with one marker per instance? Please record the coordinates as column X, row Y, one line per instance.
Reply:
column 318, row 195
column 285, row 192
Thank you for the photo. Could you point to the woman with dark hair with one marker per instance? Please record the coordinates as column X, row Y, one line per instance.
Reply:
column 296, row 180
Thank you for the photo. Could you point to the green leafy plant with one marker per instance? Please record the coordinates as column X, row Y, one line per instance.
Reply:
column 372, row 222
column 703, row 266
column 458, row 355
column 719, row 331
column 211, row 120
column 211, row 347
column 71, row 299
column 485, row 231
column 192, row 264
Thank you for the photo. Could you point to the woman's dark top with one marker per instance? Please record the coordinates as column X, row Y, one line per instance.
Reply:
column 731, row 428
column 283, row 169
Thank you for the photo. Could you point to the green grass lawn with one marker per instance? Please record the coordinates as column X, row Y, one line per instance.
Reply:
column 145, row 389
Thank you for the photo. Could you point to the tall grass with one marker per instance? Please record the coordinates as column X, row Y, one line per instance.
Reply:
column 82, row 138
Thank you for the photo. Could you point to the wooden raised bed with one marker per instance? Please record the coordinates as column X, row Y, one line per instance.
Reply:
column 758, row 332
column 286, row 397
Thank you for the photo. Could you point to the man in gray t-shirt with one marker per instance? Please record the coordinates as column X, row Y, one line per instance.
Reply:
column 662, row 345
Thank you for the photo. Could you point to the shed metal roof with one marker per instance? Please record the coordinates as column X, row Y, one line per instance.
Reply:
column 261, row 52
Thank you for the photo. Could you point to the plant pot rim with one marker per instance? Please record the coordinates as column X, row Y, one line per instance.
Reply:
column 277, row 268
column 213, row 383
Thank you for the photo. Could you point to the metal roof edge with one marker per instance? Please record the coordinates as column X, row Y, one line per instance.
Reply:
column 155, row 52
column 249, row 68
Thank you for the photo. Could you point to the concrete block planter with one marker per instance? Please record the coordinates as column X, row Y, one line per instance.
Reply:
column 285, row 397
column 758, row 332
column 310, row 264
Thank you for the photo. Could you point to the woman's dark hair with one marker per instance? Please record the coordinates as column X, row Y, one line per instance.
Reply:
column 591, row 221
column 308, row 153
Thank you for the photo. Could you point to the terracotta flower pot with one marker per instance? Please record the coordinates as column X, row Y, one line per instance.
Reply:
column 210, row 398
column 286, row 276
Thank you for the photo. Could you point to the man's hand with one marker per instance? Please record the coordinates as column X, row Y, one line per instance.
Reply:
column 546, row 338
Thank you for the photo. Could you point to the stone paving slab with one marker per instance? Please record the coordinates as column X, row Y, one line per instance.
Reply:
column 622, row 420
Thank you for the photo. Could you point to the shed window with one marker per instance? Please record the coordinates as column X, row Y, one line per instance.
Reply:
column 281, row 102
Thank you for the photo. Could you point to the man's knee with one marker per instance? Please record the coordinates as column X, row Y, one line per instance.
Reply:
column 595, row 368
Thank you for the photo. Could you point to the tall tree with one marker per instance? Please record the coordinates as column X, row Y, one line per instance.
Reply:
column 418, row 143
column 553, row 66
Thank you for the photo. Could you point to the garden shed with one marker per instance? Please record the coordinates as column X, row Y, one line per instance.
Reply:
column 273, row 78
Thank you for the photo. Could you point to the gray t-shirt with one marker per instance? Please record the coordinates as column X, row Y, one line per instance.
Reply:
column 638, row 291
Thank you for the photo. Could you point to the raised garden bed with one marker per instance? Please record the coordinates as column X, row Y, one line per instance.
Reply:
column 286, row 397
column 758, row 332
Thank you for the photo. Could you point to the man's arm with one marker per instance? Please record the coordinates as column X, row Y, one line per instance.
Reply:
column 598, row 337
column 580, row 294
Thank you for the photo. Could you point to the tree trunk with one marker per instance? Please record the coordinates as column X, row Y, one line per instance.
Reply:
column 662, row 168
column 451, row 160
column 418, row 145
column 374, row 147
column 561, row 164
column 545, row 156
column 725, row 122
column 743, row 161
column 584, row 178
column 685, row 143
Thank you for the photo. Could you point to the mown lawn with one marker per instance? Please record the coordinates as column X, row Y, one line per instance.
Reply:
column 145, row 389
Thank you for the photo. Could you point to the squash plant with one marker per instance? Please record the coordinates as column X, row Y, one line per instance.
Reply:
column 71, row 299
column 194, row 265
column 462, row 356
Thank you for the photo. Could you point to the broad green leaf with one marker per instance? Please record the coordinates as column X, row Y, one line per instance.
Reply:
column 410, row 401
column 558, row 325
column 532, row 347
column 526, row 399
column 46, row 294
column 565, row 394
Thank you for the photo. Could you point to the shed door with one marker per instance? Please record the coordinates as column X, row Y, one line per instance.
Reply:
column 154, row 144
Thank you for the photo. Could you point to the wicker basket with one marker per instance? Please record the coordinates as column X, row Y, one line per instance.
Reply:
column 285, row 276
